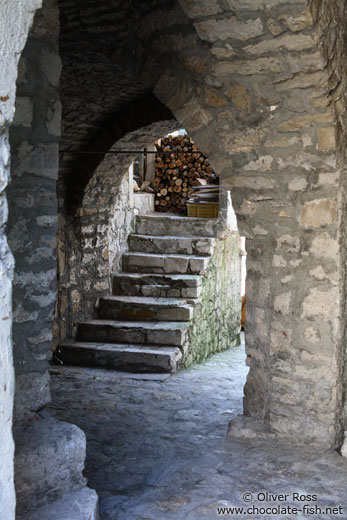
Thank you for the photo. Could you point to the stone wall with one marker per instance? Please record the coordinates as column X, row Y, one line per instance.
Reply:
column 90, row 244
column 254, row 93
column 330, row 21
column 15, row 21
column 216, row 323
column 32, row 224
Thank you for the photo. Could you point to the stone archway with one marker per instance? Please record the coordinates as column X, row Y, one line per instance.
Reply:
column 90, row 245
column 256, row 96
column 259, row 96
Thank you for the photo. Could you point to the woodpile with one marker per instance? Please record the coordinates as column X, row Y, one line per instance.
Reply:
column 177, row 171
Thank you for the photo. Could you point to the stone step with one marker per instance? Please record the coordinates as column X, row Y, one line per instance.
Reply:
column 157, row 285
column 142, row 332
column 168, row 225
column 49, row 461
column 198, row 246
column 172, row 264
column 132, row 358
column 77, row 505
column 144, row 308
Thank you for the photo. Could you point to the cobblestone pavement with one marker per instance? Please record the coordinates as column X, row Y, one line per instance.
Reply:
column 156, row 446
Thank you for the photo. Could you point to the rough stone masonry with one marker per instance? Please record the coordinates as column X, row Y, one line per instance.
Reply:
column 264, row 114
column 260, row 86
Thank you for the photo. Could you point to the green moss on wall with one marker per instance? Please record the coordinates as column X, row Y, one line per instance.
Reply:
column 216, row 325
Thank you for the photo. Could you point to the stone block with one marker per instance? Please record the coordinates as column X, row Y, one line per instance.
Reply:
column 53, row 120
column 297, row 22
column 50, row 63
column 256, row 183
column 76, row 505
column 326, row 138
column 247, row 68
column 133, row 358
column 213, row 98
column 290, row 42
column 49, row 461
column 297, row 184
column 198, row 265
column 32, row 394
column 197, row 8
column 318, row 213
column 239, row 97
column 297, row 123
column 23, row 115
column 144, row 203
column 143, row 262
column 144, row 308
column 212, row 30
column 176, row 226
column 282, row 303
column 176, row 264
column 192, row 116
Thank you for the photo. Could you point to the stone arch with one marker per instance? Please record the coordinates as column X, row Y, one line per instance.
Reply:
column 257, row 100
column 78, row 171
column 90, row 245
column 255, row 89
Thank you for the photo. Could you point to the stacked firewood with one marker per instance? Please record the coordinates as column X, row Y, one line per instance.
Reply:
column 177, row 171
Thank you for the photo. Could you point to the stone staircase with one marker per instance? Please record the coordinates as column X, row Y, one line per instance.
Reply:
column 145, row 325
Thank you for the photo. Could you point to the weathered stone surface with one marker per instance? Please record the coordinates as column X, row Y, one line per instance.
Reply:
column 239, row 96
column 318, row 213
column 286, row 42
column 49, row 461
column 213, row 30
column 176, row 226
column 326, row 138
column 179, row 245
column 133, row 358
column 152, row 333
column 297, row 22
column 34, row 391
column 157, row 285
column 197, row 9
column 77, row 505
column 299, row 122
column 213, row 98
column 144, row 308
column 247, row 68
column 182, row 478
column 193, row 116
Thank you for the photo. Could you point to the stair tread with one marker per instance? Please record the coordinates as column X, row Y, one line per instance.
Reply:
column 156, row 325
column 176, row 218
column 121, row 347
column 164, row 255
column 174, row 277
column 150, row 301
column 169, row 237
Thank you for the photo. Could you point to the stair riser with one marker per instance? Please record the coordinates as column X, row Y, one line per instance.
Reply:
column 181, row 246
column 116, row 311
column 127, row 361
column 164, row 265
column 147, row 287
column 176, row 227
column 109, row 334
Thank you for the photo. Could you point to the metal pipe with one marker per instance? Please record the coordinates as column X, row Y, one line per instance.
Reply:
column 124, row 151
